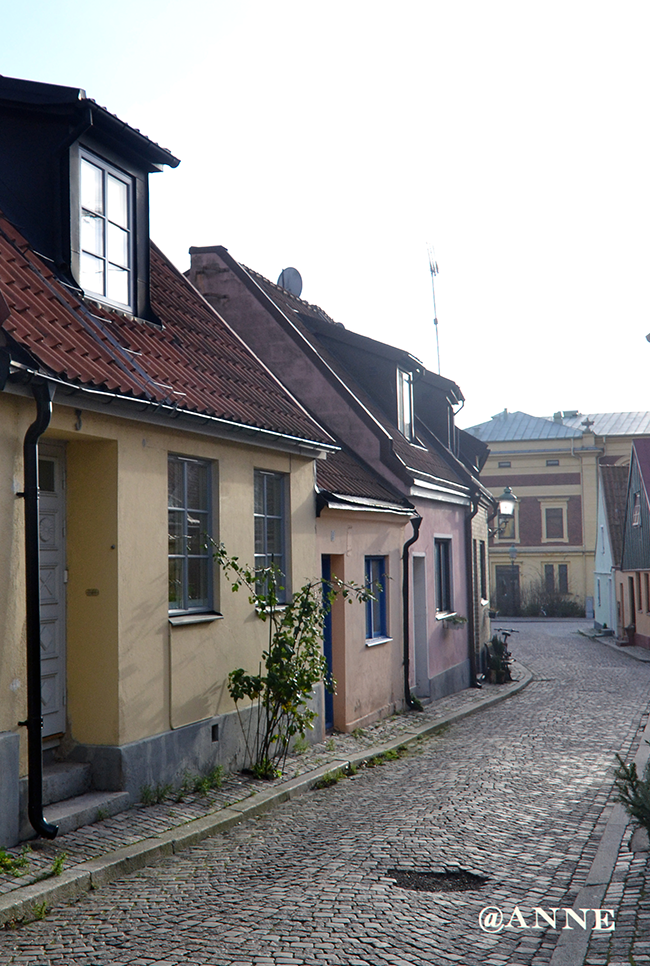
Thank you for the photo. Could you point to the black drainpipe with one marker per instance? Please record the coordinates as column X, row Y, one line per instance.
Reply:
column 415, row 523
column 469, row 577
column 43, row 394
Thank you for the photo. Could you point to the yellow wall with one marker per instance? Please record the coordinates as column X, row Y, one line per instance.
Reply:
column 15, row 416
column 130, row 674
column 528, row 457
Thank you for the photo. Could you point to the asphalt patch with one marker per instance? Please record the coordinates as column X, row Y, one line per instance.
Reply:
column 448, row 881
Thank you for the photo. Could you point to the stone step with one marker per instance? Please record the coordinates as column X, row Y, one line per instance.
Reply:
column 65, row 779
column 85, row 809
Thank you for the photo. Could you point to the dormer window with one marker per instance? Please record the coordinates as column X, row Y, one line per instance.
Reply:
column 106, row 242
column 405, row 403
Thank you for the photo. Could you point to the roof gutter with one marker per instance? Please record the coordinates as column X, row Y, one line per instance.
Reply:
column 43, row 394
column 172, row 412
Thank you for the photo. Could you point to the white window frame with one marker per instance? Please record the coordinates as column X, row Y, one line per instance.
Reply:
column 405, row 404
column 109, row 169
column 555, row 505
column 448, row 576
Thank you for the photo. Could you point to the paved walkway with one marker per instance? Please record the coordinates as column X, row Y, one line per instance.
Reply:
column 517, row 794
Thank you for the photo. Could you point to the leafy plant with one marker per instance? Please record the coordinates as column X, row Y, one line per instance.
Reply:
column 57, row 864
column 14, row 864
column 633, row 792
column 292, row 664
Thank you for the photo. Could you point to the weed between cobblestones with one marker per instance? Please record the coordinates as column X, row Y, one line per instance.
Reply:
column 190, row 785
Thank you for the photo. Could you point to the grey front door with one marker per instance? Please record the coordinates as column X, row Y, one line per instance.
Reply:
column 51, row 484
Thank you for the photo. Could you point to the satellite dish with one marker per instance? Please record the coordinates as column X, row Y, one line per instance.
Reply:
column 290, row 281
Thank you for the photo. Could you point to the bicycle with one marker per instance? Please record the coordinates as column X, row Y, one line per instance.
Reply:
column 496, row 658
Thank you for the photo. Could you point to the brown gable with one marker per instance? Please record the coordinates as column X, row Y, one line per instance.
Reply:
column 615, row 495
column 195, row 363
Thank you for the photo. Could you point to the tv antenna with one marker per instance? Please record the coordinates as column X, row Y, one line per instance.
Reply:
column 433, row 268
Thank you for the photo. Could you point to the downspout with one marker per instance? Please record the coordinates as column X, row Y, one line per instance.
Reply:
column 469, row 579
column 43, row 394
column 406, row 598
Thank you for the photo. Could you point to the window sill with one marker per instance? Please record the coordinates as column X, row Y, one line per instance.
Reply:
column 178, row 620
column 374, row 641
column 446, row 615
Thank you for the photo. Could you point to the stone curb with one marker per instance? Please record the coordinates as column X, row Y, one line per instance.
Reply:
column 572, row 946
column 28, row 902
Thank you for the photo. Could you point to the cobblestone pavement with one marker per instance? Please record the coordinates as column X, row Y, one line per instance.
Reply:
column 517, row 793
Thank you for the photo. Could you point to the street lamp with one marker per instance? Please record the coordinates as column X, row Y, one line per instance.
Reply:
column 505, row 513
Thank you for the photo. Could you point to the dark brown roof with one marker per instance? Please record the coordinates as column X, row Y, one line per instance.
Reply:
column 615, row 494
column 342, row 473
column 416, row 460
column 195, row 362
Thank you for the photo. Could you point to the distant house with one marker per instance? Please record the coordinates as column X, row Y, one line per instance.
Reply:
column 547, row 552
column 397, row 419
column 612, row 495
column 134, row 422
column 633, row 579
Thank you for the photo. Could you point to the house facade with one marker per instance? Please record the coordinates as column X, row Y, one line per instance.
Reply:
column 134, row 425
column 633, row 578
column 545, row 557
column 612, row 495
column 368, row 396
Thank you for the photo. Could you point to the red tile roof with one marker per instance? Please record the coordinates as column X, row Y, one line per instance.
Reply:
column 196, row 362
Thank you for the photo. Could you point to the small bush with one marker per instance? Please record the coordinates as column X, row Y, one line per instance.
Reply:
column 633, row 792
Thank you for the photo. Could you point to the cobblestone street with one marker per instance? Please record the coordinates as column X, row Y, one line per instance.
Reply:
column 517, row 793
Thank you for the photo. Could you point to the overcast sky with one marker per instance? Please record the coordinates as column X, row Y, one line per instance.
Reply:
column 345, row 137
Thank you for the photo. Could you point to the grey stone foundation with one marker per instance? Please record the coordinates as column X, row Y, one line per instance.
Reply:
column 9, row 772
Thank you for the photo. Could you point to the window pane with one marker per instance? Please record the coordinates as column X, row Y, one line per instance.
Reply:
column 175, row 478
column 274, row 538
column 117, row 208
column 197, row 486
column 92, row 234
column 549, row 578
column 46, row 476
column 197, row 525
column 197, row 582
column 92, row 274
column 563, row 578
column 259, row 493
column 117, row 289
column 273, row 496
column 92, row 195
column 175, row 583
column 118, row 245
column 554, row 523
column 175, row 527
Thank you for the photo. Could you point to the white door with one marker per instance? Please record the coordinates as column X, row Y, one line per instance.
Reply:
column 51, row 483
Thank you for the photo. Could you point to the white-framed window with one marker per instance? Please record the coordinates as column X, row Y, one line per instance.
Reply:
column 271, row 524
column 405, row 403
column 636, row 511
column 444, row 589
column 189, row 526
column 106, row 241
column 554, row 522
column 376, row 610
